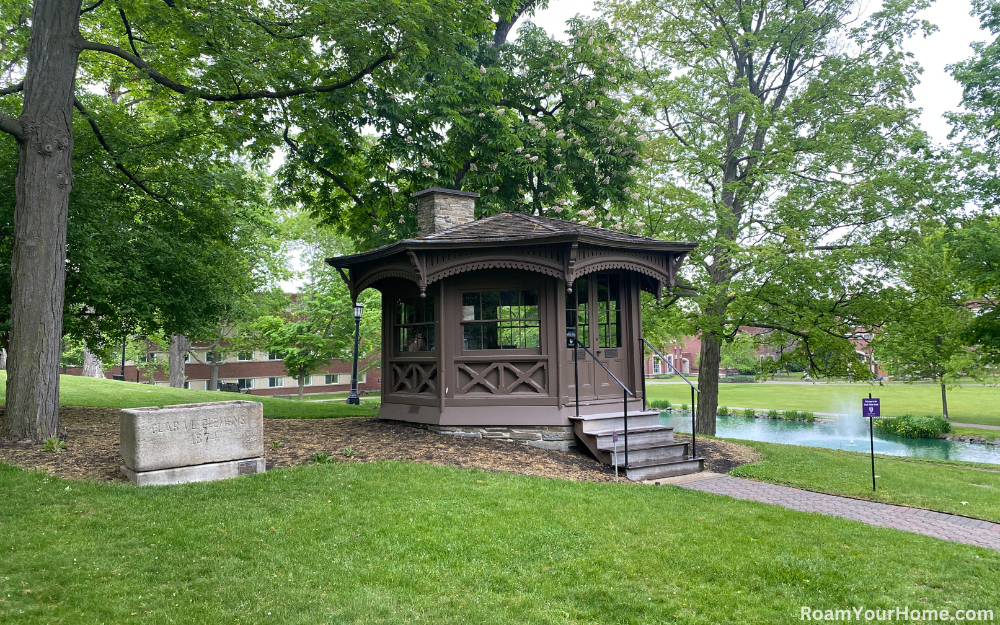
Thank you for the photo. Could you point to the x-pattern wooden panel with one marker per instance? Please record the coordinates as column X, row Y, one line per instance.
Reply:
column 521, row 377
column 422, row 375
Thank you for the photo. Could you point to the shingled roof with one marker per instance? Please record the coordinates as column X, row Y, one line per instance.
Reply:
column 514, row 229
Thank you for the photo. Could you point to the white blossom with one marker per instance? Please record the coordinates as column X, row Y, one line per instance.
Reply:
column 547, row 85
column 482, row 70
column 501, row 111
column 558, row 209
column 576, row 81
column 572, row 112
column 402, row 219
column 590, row 41
column 426, row 163
column 557, row 167
column 534, row 159
column 560, row 134
column 591, row 104
column 606, row 180
column 494, row 189
column 543, row 132
column 493, row 166
column 412, row 206
column 481, row 115
column 635, row 196
column 518, row 150
column 472, row 166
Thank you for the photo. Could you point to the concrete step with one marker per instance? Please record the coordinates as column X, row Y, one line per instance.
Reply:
column 615, row 421
column 638, row 438
column 639, row 472
column 641, row 457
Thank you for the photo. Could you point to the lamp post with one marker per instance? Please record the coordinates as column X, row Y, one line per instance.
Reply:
column 353, row 398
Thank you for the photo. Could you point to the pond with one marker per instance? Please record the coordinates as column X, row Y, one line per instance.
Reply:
column 847, row 433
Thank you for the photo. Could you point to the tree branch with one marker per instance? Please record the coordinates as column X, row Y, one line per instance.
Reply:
column 91, row 7
column 12, row 89
column 338, row 180
column 235, row 97
column 118, row 164
column 12, row 127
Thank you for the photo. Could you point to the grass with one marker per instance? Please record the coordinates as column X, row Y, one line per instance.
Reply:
column 75, row 390
column 987, row 434
column 403, row 543
column 932, row 485
column 969, row 404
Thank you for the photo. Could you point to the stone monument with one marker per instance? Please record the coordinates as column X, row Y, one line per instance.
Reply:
column 192, row 442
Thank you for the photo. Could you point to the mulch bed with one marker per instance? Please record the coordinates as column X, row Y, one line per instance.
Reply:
column 92, row 434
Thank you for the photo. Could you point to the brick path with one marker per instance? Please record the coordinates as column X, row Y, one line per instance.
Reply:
column 927, row 522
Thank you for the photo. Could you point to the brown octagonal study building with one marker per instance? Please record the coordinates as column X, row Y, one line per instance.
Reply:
column 475, row 319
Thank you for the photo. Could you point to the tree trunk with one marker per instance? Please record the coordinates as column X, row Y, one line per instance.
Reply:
column 92, row 365
column 302, row 385
column 42, row 187
column 213, row 382
column 944, row 401
column 708, row 384
column 179, row 346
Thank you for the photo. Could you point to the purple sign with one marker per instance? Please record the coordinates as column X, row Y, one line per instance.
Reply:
column 614, row 436
column 870, row 408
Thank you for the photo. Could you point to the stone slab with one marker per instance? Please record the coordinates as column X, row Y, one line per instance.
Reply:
column 191, row 434
column 198, row 473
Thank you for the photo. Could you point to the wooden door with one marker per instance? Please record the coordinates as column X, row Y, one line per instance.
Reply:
column 578, row 317
column 608, row 332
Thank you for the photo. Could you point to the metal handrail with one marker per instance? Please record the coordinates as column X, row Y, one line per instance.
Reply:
column 694, row 438
column 571, row 335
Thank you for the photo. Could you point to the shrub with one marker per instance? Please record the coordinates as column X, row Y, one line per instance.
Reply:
column 912, row 426
column 661, row 404
column 684, row 407
column 722, row 411
column 773, row 414
column 749, row 413
column 737, row 379
column 808, row 416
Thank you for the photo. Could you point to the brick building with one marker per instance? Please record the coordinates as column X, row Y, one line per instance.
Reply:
column 260, row 373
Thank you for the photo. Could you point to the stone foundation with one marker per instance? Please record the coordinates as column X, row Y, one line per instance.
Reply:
column 554, row 437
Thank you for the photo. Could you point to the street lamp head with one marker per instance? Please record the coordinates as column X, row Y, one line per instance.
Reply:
column 571, row 334
column 359, row 308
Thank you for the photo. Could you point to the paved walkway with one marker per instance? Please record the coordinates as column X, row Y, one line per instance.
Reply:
column 927, row 522
column 976, row 425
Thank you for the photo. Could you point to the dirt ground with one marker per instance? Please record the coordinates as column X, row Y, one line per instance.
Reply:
column 92, row 434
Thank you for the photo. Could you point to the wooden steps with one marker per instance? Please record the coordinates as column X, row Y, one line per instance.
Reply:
column 652, row 451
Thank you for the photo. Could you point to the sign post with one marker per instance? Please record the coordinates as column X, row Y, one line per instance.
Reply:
column 614, row 437
column 871, row 409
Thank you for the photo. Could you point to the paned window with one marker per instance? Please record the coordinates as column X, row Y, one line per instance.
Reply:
column 244, row 382
column 500, row 320
column 244, row 356
column 414, row 321
column 609, row 313
column 578, row 312
column 275, row 382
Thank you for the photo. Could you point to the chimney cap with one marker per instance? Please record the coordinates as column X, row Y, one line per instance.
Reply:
column 446, row 191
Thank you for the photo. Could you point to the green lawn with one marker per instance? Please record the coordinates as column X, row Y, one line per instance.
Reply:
column 79, row 391
column 971, row 404
column 406, row 543
column 933, row 485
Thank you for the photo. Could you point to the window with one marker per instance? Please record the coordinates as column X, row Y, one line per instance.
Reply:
column 244, row 382
column 150, row 357
column 657, row 368
column 333, row 379
column 244, row 356
column 307, row 381
column 500, row 320
column 275, row 382
column 578, row 312
column 187, row 385
column 414, row 323
column 361, row 378
column 609, row 313
column 207, row 387
column 211, row 356
column 275, row 356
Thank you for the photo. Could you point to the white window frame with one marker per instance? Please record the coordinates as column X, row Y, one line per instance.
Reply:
column 240, row 358
column 657, row 366
column 276, row 382
column 332, row 378
column 248, row 382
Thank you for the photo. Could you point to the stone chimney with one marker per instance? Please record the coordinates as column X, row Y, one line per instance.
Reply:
column 441, row 209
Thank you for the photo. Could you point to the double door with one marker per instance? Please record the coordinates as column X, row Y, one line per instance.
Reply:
column 595, row 309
